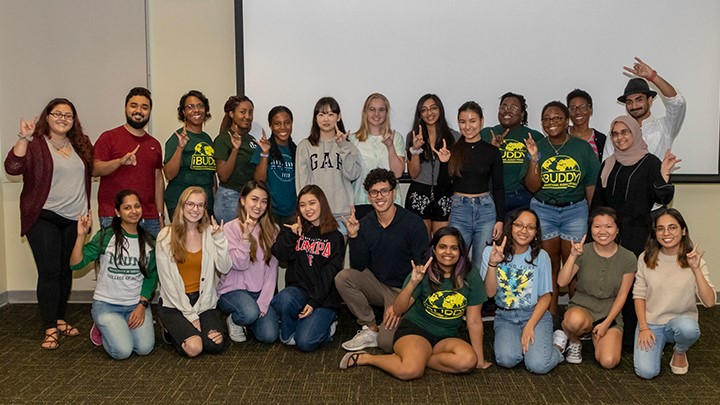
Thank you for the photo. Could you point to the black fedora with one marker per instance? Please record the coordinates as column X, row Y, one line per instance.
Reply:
column 634, row 86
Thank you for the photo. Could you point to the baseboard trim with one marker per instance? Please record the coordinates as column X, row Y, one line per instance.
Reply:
column 30, row 297
column 4, row 299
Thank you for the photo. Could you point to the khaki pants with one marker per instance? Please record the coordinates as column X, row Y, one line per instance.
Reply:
column 360, row 290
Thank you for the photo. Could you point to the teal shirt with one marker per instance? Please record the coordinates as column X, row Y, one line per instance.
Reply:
column 440, row 312
column 514, row 153
column 566, row 170
column 280, row 181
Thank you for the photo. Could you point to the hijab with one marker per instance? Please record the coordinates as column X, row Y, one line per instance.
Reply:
column 628, row 157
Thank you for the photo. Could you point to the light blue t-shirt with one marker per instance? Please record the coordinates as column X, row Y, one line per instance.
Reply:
column 280, row 181
column 519, row 282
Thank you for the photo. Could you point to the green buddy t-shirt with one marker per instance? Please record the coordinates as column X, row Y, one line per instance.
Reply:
column 243, row 170
column 440, row 312
column 565, row 170
column 514, row 153
column 197, row 166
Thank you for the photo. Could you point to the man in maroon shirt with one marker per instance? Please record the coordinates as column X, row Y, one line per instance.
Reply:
column 127, row 157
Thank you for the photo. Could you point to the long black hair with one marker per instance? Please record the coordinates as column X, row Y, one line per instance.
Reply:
column 442, row 129
column 121, row 243
column 535, row 245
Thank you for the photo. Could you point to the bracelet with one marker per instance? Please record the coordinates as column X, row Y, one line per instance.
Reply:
column 492, row 265
column 27, row 138
column 535, row 159
column 644, row 329
column 161, row 215
column 264, row 155
column 414, row 151
column 652, row 76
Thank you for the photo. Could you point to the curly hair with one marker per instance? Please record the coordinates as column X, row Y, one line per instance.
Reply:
column 79, row 141
column 198, row 94
column 523, row 105
column 379, row 175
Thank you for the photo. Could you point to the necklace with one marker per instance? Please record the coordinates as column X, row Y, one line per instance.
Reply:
column 557, row 150
column 61, row 148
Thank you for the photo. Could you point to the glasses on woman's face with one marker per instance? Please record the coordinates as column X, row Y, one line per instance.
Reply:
column 198, row 106
column 58, row 115
column 192, row 205
column 519, row 227
column 555, row 120
column 511, row 108
column 672, row 228
column 432, row 108
column 581, row 107
column 623, row 132
column 383, row 192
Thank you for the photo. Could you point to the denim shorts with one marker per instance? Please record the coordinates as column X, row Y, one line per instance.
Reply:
column 569, row 222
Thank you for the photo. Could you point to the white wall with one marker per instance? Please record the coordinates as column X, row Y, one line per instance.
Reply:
column 183, row 56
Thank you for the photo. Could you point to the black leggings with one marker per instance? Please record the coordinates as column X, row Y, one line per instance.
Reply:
column 52, row 239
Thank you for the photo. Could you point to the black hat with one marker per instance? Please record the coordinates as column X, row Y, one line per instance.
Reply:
column 634, row 86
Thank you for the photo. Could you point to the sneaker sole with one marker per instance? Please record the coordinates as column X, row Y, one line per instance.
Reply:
column 573, row 361
column 354, row 349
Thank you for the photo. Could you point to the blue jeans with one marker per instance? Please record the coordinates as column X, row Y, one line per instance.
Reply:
column 152, row 226
column 681, row 330
column 242, row 306
column 475, row 218
column 541, row 356
column 226, row 203
column 118, row 339
column 517, row 199
column 309, row 333
column 569, row 222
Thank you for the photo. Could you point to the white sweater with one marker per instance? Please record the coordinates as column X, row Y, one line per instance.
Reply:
column 172, row 288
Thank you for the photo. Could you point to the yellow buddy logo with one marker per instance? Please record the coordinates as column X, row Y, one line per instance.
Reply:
column 203, row 157
column 513, row 151
column 447, row 304
column 560, row 172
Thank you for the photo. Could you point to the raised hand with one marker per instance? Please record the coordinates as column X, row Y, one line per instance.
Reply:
column 443, row 154
column 352, row 224
column 215, row 227
column 668, row 163
column 247, row 227
column 694, row 257
column 340, row 137
column 576, row 248
column 27, row 127
column 130, row 158
column 497, row 254
column 418, row 270
column 264, row 143
column 531, row 147
column 236, row 137
column 417, row 139
column 182, row 138
column 387, row 138
column 497, row 140
column 84, row 223
column 296, row 228
column 640, row 69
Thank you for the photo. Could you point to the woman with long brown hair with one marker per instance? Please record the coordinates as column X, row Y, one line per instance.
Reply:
column 55, row 158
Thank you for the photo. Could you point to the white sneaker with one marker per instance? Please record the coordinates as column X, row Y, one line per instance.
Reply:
column 560, row 339
column 574, row 353
column 363, row 339
column 236, row 332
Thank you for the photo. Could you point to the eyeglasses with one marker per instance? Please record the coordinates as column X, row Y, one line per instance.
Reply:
column 554, row 120
column 192, row 205
column 581, row 107
column 198, row 106
column 58, row 115
column 672, row 228
column 383, row 192
column 432, row 108
column 511, row 108
column 519, row 227
column 623, row 132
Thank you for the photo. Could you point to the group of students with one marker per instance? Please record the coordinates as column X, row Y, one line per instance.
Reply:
column 506, row 210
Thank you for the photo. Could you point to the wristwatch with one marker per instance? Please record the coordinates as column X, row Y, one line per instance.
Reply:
column 144, row 302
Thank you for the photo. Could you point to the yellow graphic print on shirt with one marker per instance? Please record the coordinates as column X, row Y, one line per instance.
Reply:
column 446, row 304
column 514, row 287
column 513, row 152
column 560, row 172
column 203, row 157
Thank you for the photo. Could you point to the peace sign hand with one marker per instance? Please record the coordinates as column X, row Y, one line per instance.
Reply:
column 84, row 224
column 694, row 258
column 418, row 270
column 352, row 224
column 130, row 159
column 577, row 247
column 497, row 254
column 247, row 227
column 443, row 154
column 182, row 138
column 264, row 143
column 497, row 140
column 417, row 140
column 215, row 227
column 296, row 228
column 340, row 137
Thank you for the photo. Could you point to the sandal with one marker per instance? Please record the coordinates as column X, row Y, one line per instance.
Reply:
column 66, row 329
column 51, row 340
column 350, row 359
